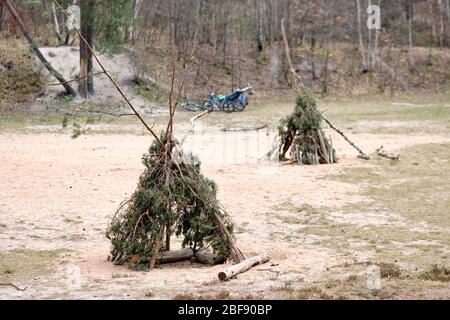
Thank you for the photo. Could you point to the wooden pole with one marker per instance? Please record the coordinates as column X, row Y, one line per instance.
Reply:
column 36, row 50
column 242, row 267
column 323, row 147
column 297, row 78
column 156, row 248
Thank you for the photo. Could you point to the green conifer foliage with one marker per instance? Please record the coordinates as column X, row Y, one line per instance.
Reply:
column 172, row 196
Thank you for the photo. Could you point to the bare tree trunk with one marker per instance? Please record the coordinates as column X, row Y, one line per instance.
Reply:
column 410, row 18
column 1, row 16
column 325, row 72
column 361, row 43
column 45, row 5
column 442, row 36
column 36, row 50
column 86, row 84
column 136, row 9
column 447, row 25
column 447, row 5
column 260, row 34
column 55, row 22
column 431, row 15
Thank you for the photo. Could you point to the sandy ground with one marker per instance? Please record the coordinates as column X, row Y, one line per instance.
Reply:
column 59, row 193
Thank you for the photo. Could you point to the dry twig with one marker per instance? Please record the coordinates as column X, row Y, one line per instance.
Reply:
column 264, row 126
column 382, row 153
column 13, row 285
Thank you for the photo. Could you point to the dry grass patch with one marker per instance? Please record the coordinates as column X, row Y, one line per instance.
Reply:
column 19, row 264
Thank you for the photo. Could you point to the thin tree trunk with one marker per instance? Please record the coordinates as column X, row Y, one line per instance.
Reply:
column 325, row 70
column 431, row 15
column 447, row 25
column 1, row 16
column 410, row 18
column 136, row 9
column 442, row 23
column 55, row 22
column 36, row 50
column 86, row 84
column 447, row 5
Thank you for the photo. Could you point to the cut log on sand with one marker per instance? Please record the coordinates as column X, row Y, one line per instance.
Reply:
column 242, row 267
column 206, row 257
column 176, row 256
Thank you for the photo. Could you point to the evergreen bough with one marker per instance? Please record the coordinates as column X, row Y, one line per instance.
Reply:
column 172, row 197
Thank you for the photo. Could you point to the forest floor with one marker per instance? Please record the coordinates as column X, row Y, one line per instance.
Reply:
column 325, row 227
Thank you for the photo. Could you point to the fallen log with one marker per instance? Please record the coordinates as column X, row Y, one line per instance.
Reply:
column 242, row 267
column 175, row 256
column 206, row 257
column 382, row 153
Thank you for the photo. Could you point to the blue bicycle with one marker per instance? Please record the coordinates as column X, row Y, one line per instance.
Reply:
column 235, row 102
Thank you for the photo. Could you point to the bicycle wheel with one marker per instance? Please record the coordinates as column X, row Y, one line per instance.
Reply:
column 228, row 107
column 239, row 106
